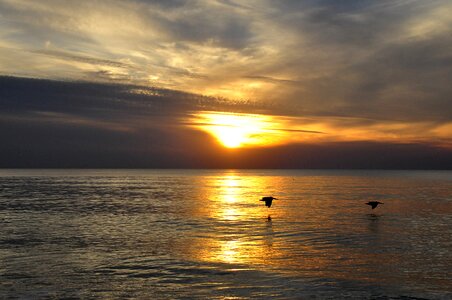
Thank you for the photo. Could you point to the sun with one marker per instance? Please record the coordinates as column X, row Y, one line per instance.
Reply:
column 234, row 130
column 230, row 137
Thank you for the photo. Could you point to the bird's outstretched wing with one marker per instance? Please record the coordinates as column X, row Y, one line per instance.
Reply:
column 373, row 204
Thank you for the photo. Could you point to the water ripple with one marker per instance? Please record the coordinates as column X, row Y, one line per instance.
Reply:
column 204, row 234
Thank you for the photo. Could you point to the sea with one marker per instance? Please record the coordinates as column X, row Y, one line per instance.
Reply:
column 204, row 234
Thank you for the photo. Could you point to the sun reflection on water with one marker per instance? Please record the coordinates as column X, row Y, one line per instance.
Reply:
column 230, row 251
column 242, row 234
column 228, row 194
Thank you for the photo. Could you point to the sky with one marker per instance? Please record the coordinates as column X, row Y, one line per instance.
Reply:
column 226, row 84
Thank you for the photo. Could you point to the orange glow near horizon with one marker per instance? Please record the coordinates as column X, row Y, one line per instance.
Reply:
column 240, row 130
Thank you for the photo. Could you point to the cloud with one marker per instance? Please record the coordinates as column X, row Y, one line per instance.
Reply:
column 134, row 107
column 358, row 59
column 46, row 123
column 353, row 70
column 64, row 55
column 271, row 79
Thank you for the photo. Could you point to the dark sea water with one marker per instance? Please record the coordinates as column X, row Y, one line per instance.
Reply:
column 171, row 234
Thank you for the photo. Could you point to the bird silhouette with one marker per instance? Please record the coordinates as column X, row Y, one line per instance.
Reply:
column 268, row 201
column 374, row 203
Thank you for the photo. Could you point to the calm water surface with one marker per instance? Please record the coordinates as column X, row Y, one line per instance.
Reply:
column 204, row 234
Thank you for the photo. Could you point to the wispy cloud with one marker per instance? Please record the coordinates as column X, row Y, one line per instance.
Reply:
column 65, row 55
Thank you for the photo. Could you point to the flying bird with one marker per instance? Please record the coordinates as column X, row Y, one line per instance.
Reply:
column 374, row 203
column 268, row 201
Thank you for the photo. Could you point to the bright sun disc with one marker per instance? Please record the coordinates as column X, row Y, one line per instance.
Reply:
column 236, row 130
column 230, row 137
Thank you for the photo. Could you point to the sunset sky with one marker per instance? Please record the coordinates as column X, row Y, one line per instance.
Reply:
column 226, row 84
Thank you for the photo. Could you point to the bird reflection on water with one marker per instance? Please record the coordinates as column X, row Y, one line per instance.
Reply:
column 268, row 237
column 373, row 217
column 374, row 221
